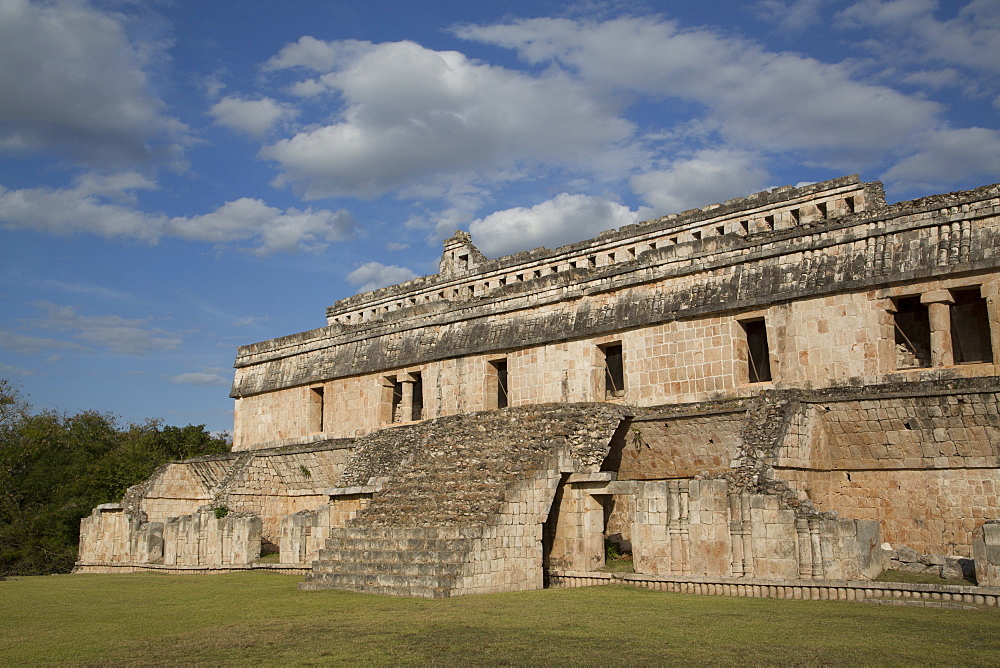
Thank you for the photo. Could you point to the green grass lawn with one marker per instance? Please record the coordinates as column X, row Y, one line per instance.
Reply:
column 261, row 619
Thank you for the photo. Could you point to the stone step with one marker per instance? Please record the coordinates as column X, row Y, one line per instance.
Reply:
column 357, row 568
column 400, row 544
column 405, row 532
column 364, row 581
column 421, row 592
column 394, row 556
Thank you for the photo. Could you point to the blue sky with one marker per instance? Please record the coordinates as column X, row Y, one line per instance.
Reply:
column 180, row 178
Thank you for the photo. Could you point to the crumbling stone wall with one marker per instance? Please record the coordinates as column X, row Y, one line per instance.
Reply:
column 112, row 535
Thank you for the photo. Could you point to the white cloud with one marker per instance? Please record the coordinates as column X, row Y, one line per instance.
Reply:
column 760, row 100
column 417, row 117
column 563, row 219
column 317, row 55
column 947, row 157
column 30, row 345
column 104, row 206
column 713, row 175
column 200, row 378
column 254, row 117
column 394, row 246
column 793, row 15
column 276, row 230
column 374, row 275
column 971, row 39
column 126, row 336
column 73, row 83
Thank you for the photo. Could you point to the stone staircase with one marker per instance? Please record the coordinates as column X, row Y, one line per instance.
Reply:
column 405, row 561
column 435, row 524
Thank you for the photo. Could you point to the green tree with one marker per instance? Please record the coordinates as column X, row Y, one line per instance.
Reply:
column 54, row 469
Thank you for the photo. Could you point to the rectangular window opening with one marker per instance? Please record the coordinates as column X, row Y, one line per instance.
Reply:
column 499, row 394
column 822, row 210
column 849, row 204
column 745, row 226
column 395, row 412
column 758, row 353
column 795, row 216
column 418, row 397
column 316, row 410
column 769, row 222
column 970, row 328
column 614, row 371
column 696, row 235
column 720, row 230
column 913, row 333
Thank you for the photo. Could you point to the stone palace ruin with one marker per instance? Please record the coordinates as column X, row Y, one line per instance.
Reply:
column 762, row 391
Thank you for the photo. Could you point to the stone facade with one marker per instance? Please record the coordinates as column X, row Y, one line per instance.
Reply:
column 766, row 388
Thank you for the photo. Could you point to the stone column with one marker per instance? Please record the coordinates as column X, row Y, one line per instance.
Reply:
column 939, row 313
column 991, row 293
column 407, row 382
column 406, row 403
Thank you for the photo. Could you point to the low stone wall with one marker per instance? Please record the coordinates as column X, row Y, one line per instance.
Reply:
column 286, row 569
column 815, row 590
column 203, row 539
column 111, row 535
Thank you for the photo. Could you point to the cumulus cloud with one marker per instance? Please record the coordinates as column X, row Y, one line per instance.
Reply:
column 759, row 100
column 200, row 378
column 414, row 117
column 254, row 117
column 712, row 175
column 105, row 206
column 127, row 336
column 373, row 275
column 563, row 219
column 73, row 83
column 949, row 156
column 970, row 39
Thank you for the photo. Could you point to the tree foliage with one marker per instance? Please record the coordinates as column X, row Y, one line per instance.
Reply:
column 55, row 468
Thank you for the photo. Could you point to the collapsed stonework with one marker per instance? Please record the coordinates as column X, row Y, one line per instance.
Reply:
column 769, row 388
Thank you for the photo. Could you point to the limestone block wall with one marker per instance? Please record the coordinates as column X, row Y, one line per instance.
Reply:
column 925, row 464
column 698, row 527
column 203, row 539
column 304, row 533
column 845, row 338
column 508, row 555
column 109, row 535
column 932, row 510
column 276, row 484
column 180, row 488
